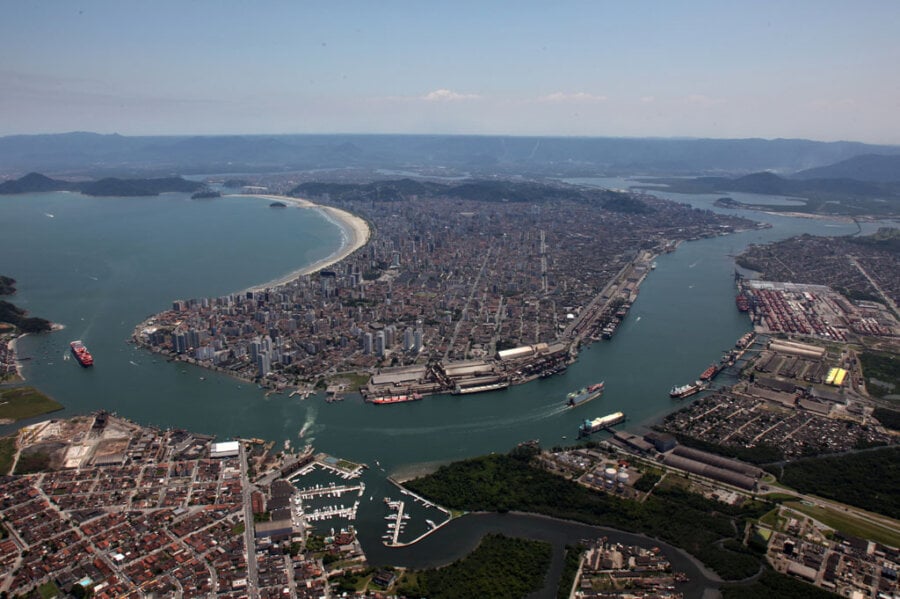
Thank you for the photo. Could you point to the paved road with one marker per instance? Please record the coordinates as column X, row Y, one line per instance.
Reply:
column 252, row 576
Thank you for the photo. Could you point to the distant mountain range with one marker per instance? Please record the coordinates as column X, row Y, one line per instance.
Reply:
column 875, row 168
column 110, row 186
column 116, row 155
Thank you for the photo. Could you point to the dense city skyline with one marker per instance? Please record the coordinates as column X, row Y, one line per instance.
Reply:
column 810, row 70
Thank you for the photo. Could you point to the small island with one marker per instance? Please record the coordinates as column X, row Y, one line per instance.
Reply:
column 277, row 205
column 110, row 186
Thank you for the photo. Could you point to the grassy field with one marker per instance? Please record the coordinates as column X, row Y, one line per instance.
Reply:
column 352, row 381
column 18, row 403
column 848, row 524
column 772, row 519
column 7, row 451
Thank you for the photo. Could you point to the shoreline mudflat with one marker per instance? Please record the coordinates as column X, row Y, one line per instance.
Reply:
column 355, row 234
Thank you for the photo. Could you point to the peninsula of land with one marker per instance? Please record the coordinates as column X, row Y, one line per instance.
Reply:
column 460, row 289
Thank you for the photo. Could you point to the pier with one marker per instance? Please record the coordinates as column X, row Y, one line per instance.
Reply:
column 330, row 490
column 400, row 507
column 329, row 512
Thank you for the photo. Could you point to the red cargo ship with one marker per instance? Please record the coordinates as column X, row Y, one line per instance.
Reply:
column 82, row 354
column 743, row 304
column 710, row 372
column 397, row 398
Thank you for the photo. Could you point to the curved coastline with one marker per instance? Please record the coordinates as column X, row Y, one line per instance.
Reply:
column 355, row 233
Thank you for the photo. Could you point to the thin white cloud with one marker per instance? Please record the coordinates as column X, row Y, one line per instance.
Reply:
column 561, row 97
column 647, row 99
column 446, row 95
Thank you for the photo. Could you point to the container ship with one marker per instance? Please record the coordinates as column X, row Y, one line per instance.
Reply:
column 742, row 303
column 576, row 398
column 597, row 424
column 82, row 354
column 687, row 390
column 387, row 399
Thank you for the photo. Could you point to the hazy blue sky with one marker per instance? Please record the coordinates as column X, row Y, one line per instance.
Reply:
column 820, row 69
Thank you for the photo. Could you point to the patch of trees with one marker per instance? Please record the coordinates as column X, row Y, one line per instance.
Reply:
column 886, row 239
column 19, row 318
column 501, row 483
column 500, row 567
column 646, row 482
column 883, row 367
column 774, row 585
column 889, row 418
column 570, row 568
column 621, row 202
column 868, row 480
column 7, row 285
column 32, row 461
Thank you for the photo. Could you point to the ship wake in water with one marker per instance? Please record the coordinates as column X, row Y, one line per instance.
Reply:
column 543, row 413
column 308, row 424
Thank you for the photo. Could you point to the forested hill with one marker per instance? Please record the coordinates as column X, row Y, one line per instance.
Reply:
column 478, row 191
column 16, row 316
column 110, row 186
column 869, row 167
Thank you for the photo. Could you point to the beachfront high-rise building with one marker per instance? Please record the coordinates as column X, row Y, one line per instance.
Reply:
column 179, row 343
column 263, row 364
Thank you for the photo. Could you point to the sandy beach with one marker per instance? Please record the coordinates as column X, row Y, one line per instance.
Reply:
column 12, row 347
column 354, row 235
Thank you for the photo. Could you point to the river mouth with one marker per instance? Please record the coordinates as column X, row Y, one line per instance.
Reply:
column 461, row 536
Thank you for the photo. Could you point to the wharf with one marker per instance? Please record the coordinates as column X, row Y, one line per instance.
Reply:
column 329, row 512
column 330, row 490
column 401, row 506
